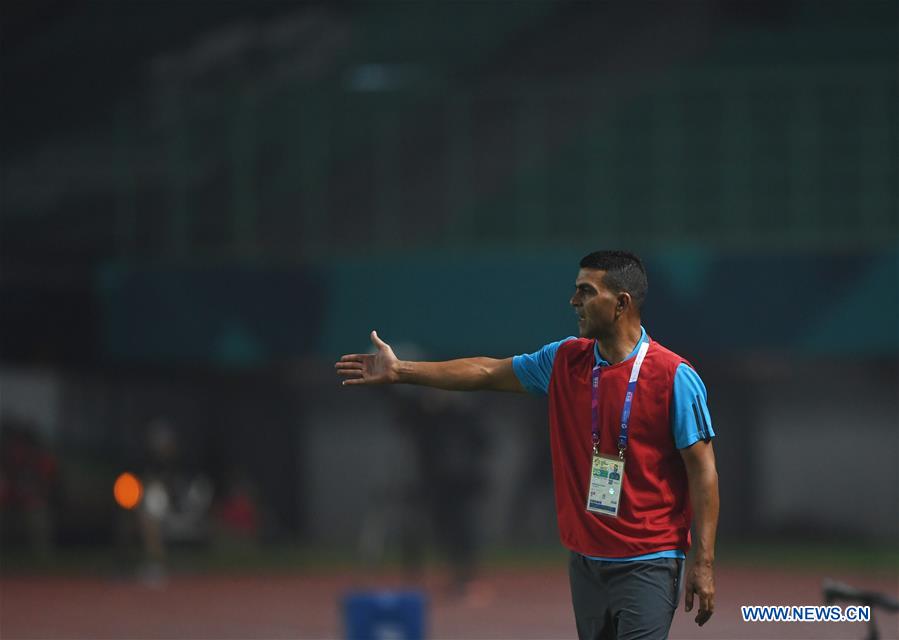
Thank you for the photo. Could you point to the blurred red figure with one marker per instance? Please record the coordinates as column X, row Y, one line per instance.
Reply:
column 29, row 475
column 238, row 514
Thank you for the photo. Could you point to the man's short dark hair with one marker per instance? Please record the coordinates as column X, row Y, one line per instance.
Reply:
column 624, row 272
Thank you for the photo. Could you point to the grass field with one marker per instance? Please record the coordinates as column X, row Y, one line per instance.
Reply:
column 877, row 559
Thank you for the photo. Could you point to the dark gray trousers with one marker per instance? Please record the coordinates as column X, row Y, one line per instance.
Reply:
column 624, row 600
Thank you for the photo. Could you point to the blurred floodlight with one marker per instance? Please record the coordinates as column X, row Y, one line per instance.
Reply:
column 127, row 490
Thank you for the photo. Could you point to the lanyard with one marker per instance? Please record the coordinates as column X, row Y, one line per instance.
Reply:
column 628, row 401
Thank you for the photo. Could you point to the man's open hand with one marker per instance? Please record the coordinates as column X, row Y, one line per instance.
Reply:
column 369, row 368
column 700, row 581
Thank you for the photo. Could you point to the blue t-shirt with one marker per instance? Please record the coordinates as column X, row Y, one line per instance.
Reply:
column 690, row 419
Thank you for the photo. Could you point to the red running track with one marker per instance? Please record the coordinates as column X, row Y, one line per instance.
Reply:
column 510, row 603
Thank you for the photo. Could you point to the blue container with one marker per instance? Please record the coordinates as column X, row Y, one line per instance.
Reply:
column 384, row 615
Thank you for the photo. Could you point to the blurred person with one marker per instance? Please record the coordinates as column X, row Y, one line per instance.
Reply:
column 616, row 397
column 431, row 493
column 533, row 491
column 176, row 503
column 395, row 515
column 29, row 485
column 448, row 445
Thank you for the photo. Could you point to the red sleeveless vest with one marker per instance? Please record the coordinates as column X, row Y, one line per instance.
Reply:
column 654, row 513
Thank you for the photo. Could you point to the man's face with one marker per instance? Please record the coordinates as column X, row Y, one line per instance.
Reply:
column 594, row 303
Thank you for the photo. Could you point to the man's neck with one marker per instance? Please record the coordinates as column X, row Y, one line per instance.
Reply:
column 620, row 343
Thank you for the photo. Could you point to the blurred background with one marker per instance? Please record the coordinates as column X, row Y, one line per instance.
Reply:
column 204, row 204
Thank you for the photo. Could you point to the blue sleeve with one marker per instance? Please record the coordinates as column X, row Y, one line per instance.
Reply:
column 690, row 419
column 534, row 369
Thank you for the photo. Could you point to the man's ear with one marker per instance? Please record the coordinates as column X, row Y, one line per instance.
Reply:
column 623, row 302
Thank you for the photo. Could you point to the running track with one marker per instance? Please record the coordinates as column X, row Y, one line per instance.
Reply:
column 508, row 603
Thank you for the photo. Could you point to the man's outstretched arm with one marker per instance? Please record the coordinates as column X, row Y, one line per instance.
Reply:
column 464, row 374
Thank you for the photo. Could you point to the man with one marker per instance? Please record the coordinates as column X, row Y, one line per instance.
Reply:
column 620, row 405
column 614, row 475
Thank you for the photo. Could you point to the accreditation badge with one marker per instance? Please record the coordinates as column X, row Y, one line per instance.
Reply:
column 606, row 479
